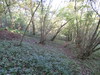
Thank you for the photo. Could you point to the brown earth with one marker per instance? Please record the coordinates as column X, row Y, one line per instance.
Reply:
column 7, row 35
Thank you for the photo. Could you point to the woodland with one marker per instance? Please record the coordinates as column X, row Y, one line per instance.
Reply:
column 49, row 37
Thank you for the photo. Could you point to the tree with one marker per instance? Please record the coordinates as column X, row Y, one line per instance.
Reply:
column 43, row 19
column 28, row 24
column 88, row 38
column 32, row 5
column 59, row 29
column 8, row 5
column 1, row 11
column 85, row 27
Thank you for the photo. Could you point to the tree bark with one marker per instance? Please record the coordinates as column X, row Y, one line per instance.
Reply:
column 53, row 38
column 33, row 25
column 90, row 48
column 28, row 25
column 10, row 14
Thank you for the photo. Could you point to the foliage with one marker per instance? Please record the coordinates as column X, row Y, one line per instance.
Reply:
column 20, row 24
column 41, row 19
column 6, row 21
column 93, row 63
column 28, row 59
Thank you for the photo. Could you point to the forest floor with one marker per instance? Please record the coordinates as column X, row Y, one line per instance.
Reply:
column 49, row 45
column 66, row 50
column 4, row 34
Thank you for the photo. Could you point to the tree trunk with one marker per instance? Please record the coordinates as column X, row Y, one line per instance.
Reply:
column 90, row 48
column 10, row 14
column 28, row 25
column 84, row 55
column 53, row 38
column 33, row 26
column 42, row 41
column 0, row 22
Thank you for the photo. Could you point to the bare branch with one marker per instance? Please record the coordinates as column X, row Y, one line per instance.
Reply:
column 96, row 49
column 93, row 8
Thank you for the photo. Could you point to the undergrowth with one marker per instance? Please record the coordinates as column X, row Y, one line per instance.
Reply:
column 34, row 60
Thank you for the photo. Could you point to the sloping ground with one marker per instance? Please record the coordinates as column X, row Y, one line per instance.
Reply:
column 86, row 67
column 7, row 35
column 48, row 59
column 34, row 59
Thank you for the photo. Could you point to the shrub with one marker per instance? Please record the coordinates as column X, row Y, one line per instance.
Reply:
column 36, row 59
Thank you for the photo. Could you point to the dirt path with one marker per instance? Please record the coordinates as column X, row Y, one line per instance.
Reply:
column 67, row 51
column 5, row 34
column 49, row 44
